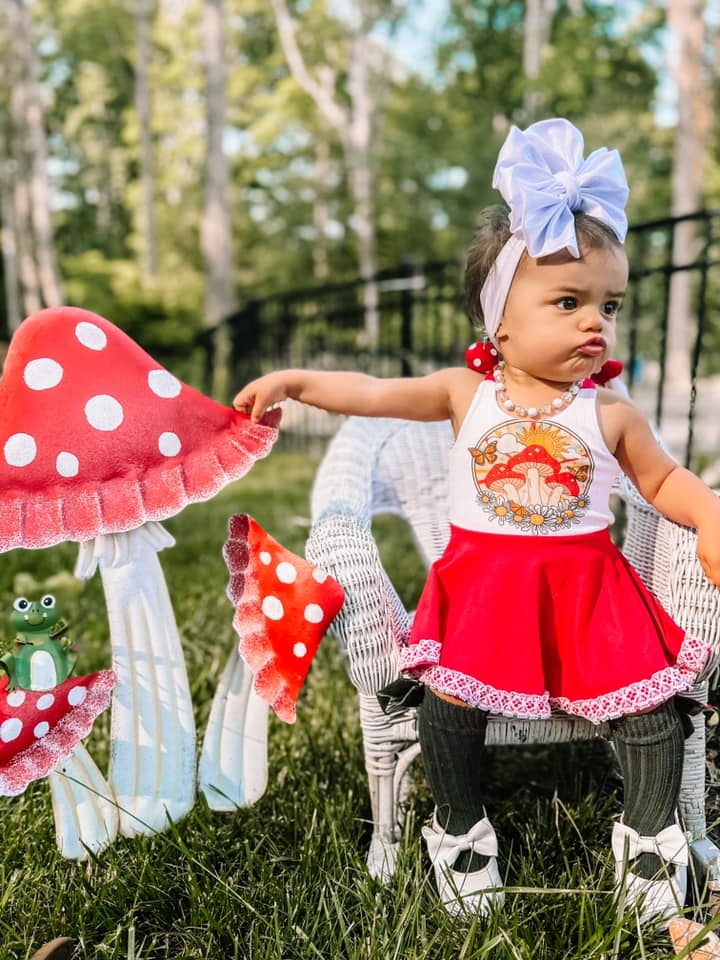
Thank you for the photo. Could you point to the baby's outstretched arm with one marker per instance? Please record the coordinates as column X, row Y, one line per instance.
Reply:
column 670, row 488
column 411, row 398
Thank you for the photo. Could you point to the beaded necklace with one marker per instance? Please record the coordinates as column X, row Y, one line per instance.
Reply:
column 554, row 406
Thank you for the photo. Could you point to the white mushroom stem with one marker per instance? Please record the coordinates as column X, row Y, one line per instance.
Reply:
column 511, row 491
column 233, row 769
column 535, row 494
column 152, row 748
column 556, row 494
column 86, row 815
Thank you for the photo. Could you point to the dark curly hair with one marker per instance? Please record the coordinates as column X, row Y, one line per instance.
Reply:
column 492, row 235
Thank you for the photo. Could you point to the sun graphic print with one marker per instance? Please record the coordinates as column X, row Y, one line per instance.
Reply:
column 534, row 477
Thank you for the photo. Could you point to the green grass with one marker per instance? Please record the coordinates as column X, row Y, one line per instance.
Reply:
column 286, row 878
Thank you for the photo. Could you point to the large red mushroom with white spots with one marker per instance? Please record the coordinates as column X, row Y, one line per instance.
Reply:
column 283, row 606
column 98, row 443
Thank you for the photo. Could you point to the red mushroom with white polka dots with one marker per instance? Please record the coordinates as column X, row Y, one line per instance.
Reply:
column 40, row 736
column 98, row 443
column 283, row 606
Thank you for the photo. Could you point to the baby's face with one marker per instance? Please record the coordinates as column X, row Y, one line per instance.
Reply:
column 559, row 318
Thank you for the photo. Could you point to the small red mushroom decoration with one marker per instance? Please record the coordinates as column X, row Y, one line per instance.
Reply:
column 283, row 605
column 607, row 372
column 39, row 728
column 97, row 443
column 481, row 357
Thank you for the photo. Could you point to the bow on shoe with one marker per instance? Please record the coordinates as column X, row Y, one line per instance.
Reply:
column 543, row 177
column 444, row 848
column 670, row 844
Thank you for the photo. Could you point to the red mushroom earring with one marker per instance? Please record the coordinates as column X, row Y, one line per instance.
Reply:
column 283, row 606
column 97, row 444
column 44, row 715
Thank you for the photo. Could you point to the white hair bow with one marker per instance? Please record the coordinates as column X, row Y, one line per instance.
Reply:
column 543, row 177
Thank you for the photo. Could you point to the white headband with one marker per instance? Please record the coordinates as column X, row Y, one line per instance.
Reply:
column 543, row 178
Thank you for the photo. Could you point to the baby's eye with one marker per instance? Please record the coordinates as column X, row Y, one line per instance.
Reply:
column 567, row 303
column 611, row 308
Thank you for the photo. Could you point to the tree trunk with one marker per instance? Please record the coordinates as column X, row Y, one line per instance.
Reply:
column 216, row 231
column 9, row 252
column 320, row 209
column 686, row 24
column 354, row 126
column 144, row 10
column 31, row 271
column 538, row 23
column 362, row 181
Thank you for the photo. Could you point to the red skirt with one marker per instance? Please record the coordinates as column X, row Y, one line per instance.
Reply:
column 524, row 626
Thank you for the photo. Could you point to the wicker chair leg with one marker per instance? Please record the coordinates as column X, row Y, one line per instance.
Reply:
column 704, row 855
column 390, row 745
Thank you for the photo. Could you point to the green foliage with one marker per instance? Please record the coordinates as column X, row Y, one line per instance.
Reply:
column 439, row 128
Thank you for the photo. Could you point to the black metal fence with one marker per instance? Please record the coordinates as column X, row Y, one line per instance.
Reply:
column 423, row 325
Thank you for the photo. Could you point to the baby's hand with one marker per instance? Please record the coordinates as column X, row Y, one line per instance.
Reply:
column 708, row 550
column 261, row 394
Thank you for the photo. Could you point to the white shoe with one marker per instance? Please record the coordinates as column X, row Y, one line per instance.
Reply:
column 460, row 892
column 660, row 898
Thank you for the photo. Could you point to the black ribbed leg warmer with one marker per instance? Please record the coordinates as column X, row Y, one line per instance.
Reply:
column 452, row 741
column 650, row 749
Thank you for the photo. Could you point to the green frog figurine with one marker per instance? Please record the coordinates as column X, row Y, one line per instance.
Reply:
column 40, row 658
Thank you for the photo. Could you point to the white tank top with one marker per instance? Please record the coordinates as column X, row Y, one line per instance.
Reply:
column 513, row 476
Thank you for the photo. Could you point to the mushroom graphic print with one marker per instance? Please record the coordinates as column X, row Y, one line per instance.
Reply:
column 532, row 476
column 97, row 444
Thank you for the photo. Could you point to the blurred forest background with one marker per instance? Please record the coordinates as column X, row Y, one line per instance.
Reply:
column 163, row 162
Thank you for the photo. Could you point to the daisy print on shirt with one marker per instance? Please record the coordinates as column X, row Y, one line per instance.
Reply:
column 534, row 476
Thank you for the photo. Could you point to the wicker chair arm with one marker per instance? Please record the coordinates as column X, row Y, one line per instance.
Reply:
column 373, row 621
column 672, row 571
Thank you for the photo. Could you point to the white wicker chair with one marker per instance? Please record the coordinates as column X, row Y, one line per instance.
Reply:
column 400, row 467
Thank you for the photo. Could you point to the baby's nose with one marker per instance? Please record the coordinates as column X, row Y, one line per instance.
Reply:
column 592, row 318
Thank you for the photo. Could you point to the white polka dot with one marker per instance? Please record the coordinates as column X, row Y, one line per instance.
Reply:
column 476, row 363
column 319, row 575
column 42, row 374
column 10, row 729
column 41, row 729
column 313, row 613
column 472, row 346
column 164, row 384
column 286, row 572
column 104, row 412
column 273, row 608
column 265, row 557
column 76, row 696
column 20, row 450
column 45, row 701
column 16, row 698
column 67, row 464
column 91, row 336
column 299, row 649
column 169, row 444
